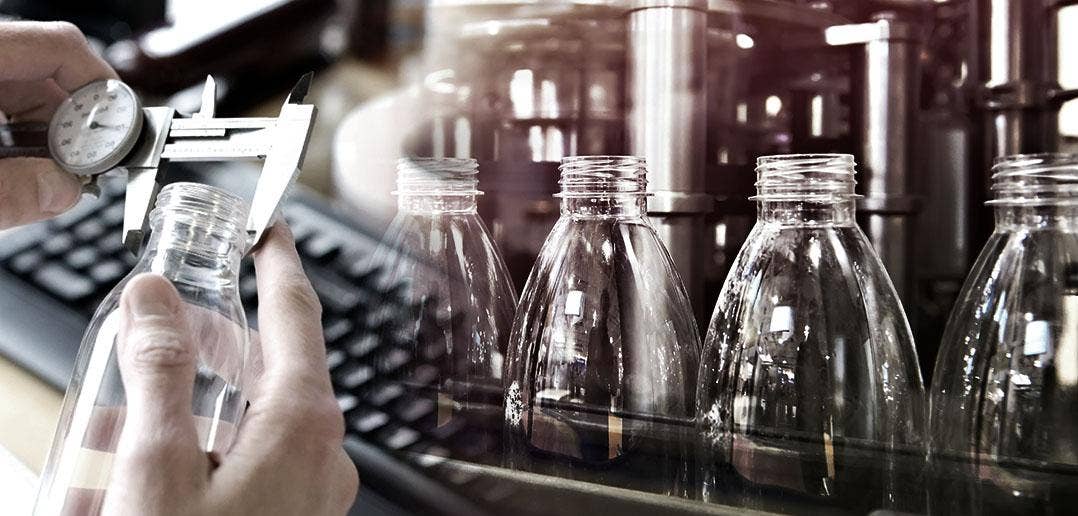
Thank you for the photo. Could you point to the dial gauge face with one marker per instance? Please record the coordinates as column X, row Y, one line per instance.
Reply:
column 95, row 127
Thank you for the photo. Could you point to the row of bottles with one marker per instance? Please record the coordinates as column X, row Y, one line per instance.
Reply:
column 806, row 391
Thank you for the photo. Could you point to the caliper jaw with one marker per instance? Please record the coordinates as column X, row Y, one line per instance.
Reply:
column 280, row 142
column 143, row 166
column 283, row 163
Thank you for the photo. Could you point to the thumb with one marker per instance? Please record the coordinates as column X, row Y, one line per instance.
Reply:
column 156, row 355
column 158, row 457
column 32, row 189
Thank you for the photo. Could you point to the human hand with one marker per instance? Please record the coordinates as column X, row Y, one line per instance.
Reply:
column 40, row 65
column 287, row 457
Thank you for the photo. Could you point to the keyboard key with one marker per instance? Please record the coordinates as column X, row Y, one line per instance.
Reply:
column 347, row 402
column 369, row 421
column 63, row 283
column 363, row 271
column 73, row 216
column 377, row 318
column 300, row 231
column 89, row 230
column 81, row 258
column 111, row 245
column 354, row 377
column 337, row 330
column 424, row 375
column 321, row 247
column 415, row 409
column 399, row 438
column 393, row 360
column 432, row 456
column 335, row 293
column 114, row 214
column 385, row 394
column 107, row 273
column 26, row 262
column 58, row 244
column 335, row 358
column 363, row 345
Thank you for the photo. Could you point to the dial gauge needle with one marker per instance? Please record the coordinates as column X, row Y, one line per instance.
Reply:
column 95, row 125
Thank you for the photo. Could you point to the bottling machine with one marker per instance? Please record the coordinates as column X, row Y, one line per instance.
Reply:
column 923, row 93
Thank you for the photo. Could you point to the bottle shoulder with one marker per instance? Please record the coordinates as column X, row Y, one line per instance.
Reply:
column 612, row 273
column 822, row 283
column 1014, row 299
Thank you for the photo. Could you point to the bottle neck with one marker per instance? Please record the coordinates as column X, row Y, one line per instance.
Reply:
column 604, row 186
column 806, row 189
column 191, row 256
column 1036, row 191
column 797, row 213
column 619, row 206
column 1047, row 217
column 433, row 204
column 197, row 236
column 433, row 186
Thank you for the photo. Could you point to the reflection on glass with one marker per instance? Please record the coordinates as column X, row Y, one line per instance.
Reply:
column 603, row 355
column 1004, row 402
column 810, row 391
column 462, row 301
column 198, row 238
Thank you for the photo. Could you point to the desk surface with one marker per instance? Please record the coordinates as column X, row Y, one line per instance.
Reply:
column 28, row 415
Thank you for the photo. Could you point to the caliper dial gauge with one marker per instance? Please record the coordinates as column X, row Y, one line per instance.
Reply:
column 95, row 128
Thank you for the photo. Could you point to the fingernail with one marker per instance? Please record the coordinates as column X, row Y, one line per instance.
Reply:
column 150, row 296
column 56, row 192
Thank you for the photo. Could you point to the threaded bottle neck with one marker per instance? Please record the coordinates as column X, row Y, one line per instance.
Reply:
column 1035, row 180
column 806, row 188
column 199, row 219
column 435, row 185
column 604, row 186
column 1036, row 190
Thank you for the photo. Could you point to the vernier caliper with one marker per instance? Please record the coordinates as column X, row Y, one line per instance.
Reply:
column 103, row 126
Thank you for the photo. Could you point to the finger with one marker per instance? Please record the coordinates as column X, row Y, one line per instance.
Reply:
column 346, row 482
column 30, row 100
column 156, row 355
column 289, row 313
column 32, row 189
column 35, row 51
column 252, row 368
column 158, row 457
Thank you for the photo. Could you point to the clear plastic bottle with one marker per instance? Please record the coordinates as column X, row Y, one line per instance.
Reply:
column 456, row 280
column 198, row 239
column 602, row 360
column 810, row 393
column 1004, row 399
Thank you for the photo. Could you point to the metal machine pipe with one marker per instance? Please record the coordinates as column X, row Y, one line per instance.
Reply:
column 1013, row 76
column 1016, row 71
column 667, row 124
column 884, row 114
